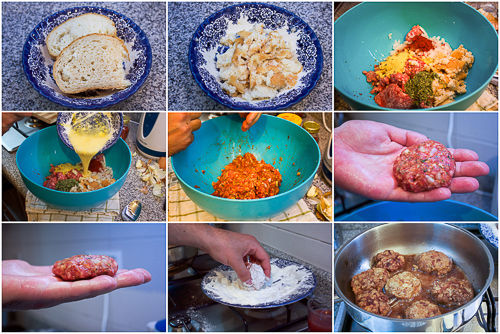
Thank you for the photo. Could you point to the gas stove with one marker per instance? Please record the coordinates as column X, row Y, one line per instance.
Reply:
column 21, row 130
column 191, row 310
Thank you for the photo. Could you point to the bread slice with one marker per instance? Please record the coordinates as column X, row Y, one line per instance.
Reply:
column 91, row 62
column 86, row 24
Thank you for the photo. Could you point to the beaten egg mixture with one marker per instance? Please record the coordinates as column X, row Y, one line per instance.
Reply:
column 421, row 72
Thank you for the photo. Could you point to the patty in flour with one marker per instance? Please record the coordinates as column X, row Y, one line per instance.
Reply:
column 424, row 166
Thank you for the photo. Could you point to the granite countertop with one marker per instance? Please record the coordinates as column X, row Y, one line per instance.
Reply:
column 19, row 19
column 341, row 105
column 185, row 94
column 152, row 207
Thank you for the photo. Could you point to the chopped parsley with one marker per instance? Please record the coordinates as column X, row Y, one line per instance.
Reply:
column 420, row 87
column 66, row 185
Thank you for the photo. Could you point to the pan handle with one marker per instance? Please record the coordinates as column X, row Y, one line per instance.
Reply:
column 336, row 299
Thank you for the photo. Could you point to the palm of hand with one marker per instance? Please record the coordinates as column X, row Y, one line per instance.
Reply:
column 32, row 287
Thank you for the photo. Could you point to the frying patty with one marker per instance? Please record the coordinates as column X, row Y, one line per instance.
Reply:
column 424, row 166
column 403, row 286
column 422, row 309
column 452, row 292
column 389, row 260
column 374, row 301
column 374, row 278
column 434, row 262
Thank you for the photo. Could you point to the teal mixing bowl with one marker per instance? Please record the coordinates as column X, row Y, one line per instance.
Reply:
column 45, row 147
column 361, row 41
column 281, row 143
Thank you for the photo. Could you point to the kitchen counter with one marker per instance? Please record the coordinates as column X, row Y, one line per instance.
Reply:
column 152, row 207
column 185, row 94
column 19, row 19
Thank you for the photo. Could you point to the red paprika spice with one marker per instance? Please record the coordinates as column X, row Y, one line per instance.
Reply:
column 421, row 43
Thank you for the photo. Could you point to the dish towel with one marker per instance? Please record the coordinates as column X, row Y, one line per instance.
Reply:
column 181, row 208
column 39, row 211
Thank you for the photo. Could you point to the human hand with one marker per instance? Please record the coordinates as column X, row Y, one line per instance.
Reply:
column 232, row 248
column 26, row 287
column 180, row 130
column 9, row 118
column 364, row 156
column 250, row 119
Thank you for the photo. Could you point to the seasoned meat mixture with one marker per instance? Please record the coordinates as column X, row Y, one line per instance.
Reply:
column 434, row 262
column 374, row 278
column 85, row 266
column 422, row 309
column 374, row 301
column 452, row 292
column 403, row 286
column 389, row 260
column 247, row 178
column 424, row 166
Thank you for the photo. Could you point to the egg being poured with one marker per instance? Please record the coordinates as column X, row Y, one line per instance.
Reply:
column 88, row 137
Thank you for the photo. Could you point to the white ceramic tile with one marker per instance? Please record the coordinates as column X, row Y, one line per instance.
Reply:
column 318, row 231
column 246, row 228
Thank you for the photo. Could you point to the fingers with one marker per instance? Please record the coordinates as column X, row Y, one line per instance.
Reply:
column 133, row 277
column 471, row 169
column 195, row 125
column 405, row 137
column 462, row 154
column 462, row 185
column 194, row 115
column 250, row 120
column 241, row 270
column 261, row 255
column 434, row 195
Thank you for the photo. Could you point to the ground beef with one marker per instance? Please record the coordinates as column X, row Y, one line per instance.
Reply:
column 389, row 260
column 434, row 262
column 424, row 166
column 415, row 31
column 374, row 301
column 403, row 286
column 247, row 178
column 422, row 309
column 413, row 66
column 452, row 292
column 374, row 278
column 85, row 266
column 393, row 97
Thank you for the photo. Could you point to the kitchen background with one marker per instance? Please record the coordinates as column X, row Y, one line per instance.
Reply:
column 132, row 245
column 474, row 131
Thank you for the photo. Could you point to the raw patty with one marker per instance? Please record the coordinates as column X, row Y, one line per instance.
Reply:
column 85, row 266
column 424, row 166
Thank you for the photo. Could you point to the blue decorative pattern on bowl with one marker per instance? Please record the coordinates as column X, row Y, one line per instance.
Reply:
column 208, row 35
column 64, row 118
column 304, row 287
column 37, row 63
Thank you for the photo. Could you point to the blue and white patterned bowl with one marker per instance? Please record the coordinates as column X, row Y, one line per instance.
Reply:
column 38, row 64
column 207, row 38
column 64, row 120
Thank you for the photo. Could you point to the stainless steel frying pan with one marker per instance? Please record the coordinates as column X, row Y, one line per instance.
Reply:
column 466, row 250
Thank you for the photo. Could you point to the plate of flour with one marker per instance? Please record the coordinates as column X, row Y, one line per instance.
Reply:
column 289, row 282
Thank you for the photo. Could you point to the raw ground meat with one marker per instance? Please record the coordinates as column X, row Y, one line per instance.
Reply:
column 85, row 266
column 393, row 97
column 424, row 166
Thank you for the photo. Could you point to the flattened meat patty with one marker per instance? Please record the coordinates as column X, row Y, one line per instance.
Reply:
column 403, row 286
column 374, row 301
column 424, row 166
column 434, row 262
column 422, row 309
column 389, row 260
column 85, row 266
column 452, row 292
column 374, row 278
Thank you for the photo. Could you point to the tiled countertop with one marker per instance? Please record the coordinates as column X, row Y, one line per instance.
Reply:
column 152, row 207
column 19, row 19
column 185, row 94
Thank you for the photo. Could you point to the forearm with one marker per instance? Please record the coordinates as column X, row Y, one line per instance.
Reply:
column 196, row 235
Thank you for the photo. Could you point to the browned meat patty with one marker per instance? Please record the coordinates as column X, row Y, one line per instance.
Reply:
column 422, row 309
column 424, row 166
column 434, row 262
column 389, row 260
column 452, row 292
column 403, row 286
column 374, row 278
column 85, row 266
column 374, row 301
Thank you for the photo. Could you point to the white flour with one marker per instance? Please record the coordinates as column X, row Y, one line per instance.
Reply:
column 258, row 276
column 284, row 282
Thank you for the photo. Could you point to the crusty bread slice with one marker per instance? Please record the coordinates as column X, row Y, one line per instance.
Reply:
column 86, row 24
column 91, row 62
